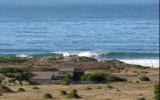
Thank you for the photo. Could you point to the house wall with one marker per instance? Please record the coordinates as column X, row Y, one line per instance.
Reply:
column 41, row 81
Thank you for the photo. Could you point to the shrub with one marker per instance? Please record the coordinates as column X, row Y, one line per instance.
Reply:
column 99, row 87
column 88, row 88
column 157, row 91
column 12, row 60
column 110, row 87
column 47, row 96
column 144, row 78
column 4, row 89
column 101, row 77
column 141, row 98
column 137, row 81
column 35, row 88
column 63, row 93
column 72, row 94
column 21, row 90
column 65, row 82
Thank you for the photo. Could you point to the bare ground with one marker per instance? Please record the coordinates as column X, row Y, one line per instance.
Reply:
column 121, row 91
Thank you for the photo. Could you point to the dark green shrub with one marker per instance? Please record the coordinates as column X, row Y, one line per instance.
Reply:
column 142, row 98
column 63, row 93
column 144, row 78
column 4, row 89
column 16, row 74
column 47, row 96
column 35, row 88
column 73, row 95
column 157, row 91
column 101, row 77
column 21, row 90
column 111, row 78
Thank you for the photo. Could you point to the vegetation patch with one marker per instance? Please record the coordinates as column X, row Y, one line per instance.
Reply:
column 144, row 78
column 88, row 88
column 12, row 60
column 102, row 78
column 64, row 93
column 141, row 98
column 35, row 88
column 157, row 91
column 73, row 95
column 21, row 90
column 110, row 87
column 47, row 96
column 4, row 89
column 16, row 74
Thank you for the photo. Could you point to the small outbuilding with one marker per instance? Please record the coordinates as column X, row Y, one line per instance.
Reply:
column 44, row 77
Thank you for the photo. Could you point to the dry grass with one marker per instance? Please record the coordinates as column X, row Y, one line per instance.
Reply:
column 121, row 91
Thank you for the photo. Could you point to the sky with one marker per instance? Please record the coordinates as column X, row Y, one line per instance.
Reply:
column 74, row 2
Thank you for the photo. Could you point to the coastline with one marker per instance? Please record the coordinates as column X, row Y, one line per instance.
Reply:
column 143, row 62
column 143, row 59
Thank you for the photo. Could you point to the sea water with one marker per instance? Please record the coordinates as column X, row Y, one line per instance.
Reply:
column 104, row 31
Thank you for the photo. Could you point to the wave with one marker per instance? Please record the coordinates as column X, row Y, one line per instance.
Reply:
column 97, row 55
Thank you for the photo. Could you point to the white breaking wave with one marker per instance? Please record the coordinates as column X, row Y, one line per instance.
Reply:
column 144, row 62
column 22, row 56
column 80, row 54
column 87, row 54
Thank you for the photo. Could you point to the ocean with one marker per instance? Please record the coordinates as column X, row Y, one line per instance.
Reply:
column 102, row 31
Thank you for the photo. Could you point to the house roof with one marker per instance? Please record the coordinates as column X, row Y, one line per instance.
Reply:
column 42, row 75
column 66, row 69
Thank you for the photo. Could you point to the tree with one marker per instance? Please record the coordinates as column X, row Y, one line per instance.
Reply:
column 16, row 74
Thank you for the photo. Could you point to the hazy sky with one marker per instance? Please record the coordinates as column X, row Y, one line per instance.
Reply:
column 72, row 2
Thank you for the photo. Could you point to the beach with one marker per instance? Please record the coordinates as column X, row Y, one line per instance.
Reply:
column 145, row 62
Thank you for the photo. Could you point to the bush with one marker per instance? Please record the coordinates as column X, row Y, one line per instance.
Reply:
column 4, row 89
column 12, row 60
column 110, row 87
column 63, row 93
column 72, row 94
column 144, row 78
column 88, row 88
column 101, row 77
column 47, row 96
column 141, row 98
column 157, row 91
column 99, row 87
column 21, row 90
column 35, row 88
column 65, row 82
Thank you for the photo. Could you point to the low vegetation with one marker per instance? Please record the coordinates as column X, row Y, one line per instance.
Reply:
column 141, row 98
column 144, row 78
column 157, row 91
column 102, row 78
column 15, row 74
column 73, row 95
column 5, row 89
column 47, row 96
column 12, row 60
column 63, row 93
column 21, row 90
column 35, row 88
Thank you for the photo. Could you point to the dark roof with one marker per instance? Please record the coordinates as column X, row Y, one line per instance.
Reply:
column 66, row 69
column 42, row 75
column 70, row 69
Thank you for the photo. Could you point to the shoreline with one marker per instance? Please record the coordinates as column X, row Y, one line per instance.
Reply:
column 143, row 62
column 154, row 63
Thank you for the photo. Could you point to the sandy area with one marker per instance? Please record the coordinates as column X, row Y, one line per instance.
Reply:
column 121, row 91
